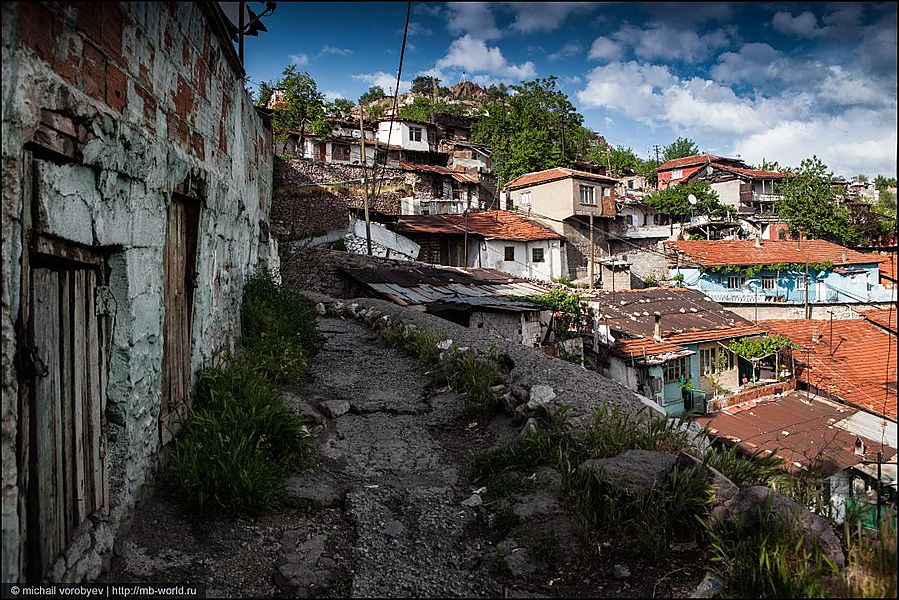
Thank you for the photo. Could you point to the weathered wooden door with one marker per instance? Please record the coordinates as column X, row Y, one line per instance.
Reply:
column 67, row 479
column 179, row 281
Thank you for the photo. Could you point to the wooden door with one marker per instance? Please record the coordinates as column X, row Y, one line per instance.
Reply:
column 179, row 281
column 67, row 471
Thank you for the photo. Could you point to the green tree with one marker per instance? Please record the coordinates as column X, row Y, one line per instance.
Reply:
column 534, row 127
column 674, row 201
column 266, row 88
column 809, row 204
column 340, row 107
column 421, row 109
column 304, row 108
column 861, row 177
column 618, row 160
column 373, row 93
column 680, row 148
column 425, row 84
column 881, row 182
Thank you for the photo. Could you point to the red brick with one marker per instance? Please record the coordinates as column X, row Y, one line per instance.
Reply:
column 177, row 129
column 36, row 29
column 93, row 73
column 90, row 21
column 197, row 145
column 149, row 108
column 184, row 98
column 114, row 21
column 116, row 88
column 66, row 61
column 201, row 78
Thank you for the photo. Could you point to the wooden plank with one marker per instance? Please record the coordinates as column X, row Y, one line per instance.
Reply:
column 94, row 408
column 53, row 141
column 65, row 250
column 45, row 302
column 65, row 455
column 27, row 513
column 80, row 396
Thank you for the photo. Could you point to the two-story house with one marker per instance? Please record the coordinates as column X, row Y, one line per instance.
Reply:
column 575, row 204
column 342, row 146
column 670, row 345
column 747, row 274
column 677, row 170
column 438, row 190
column 407, row 140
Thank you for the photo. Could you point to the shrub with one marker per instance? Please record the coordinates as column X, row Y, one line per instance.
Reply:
column 464, row 372
column 745, row 471
column 278, row 358
column 871, row 563
column 237, row 444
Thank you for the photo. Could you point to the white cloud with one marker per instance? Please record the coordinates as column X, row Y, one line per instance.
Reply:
column 605, row 49
column 571, row 80
column 474, row 56
column 567, row 51
column 299, row 59
column 607, row 121
column 474, row 19
column 331, row 95
column 334, row 50
column 531, row 17
column 755, row 63
column 385, row 80
column 660, row 41
column 804, row 24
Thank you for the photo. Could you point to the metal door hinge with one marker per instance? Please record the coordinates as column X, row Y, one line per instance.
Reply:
column 103, row 300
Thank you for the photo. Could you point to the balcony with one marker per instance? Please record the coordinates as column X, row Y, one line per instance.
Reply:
column 766, row 198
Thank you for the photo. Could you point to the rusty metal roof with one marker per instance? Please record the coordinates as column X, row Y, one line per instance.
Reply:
column 490, row 224
column 799, row 431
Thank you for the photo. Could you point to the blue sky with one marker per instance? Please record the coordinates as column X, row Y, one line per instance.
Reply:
column 779, row 81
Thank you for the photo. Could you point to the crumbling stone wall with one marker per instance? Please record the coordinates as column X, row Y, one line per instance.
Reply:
column 122, row 104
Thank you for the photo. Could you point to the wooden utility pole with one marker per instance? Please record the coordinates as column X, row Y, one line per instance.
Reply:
column 364, row 161
column 592, row 252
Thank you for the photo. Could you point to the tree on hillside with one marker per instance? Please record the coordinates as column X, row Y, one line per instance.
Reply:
column 340, row 107
column 679, row 148
column 425, row 84
column 619, row 161
column 809, row 203
column 674, row 201
column 304, row 108
column 534, row 127
column 881, row 182
column 266, row 88
column 421, row 109
column 373, row 93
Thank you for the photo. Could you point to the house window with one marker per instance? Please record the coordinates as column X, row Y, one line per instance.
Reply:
column 629, row 219
column 587, row 194
column 675, row 369
column 630, row 184
column 525, row 198
column 769, row 283
column 340, row 152
column 735, row 282
column 677, row 173
column 606, row 192
column 800, row 284
column 510, row 253
column 415, row 134
column 709, row 358
column 537, row 255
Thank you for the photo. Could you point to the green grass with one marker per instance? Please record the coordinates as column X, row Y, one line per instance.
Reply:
column 744, row 471
column 871, row 563
column 237, row 445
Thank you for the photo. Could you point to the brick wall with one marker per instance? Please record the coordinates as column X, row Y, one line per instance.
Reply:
column 753, row 393
column 120, row 105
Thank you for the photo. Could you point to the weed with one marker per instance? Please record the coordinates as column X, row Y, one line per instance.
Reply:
column 871, row 563
column 544, row 548
column 758, row 468
column 277, row 309
column 507, row 484
column 503, row 522
column 474, row 376
column 237, row 444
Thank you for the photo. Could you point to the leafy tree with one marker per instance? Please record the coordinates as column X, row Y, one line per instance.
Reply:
column 534, row 127
column 809, row 203
column 421, row 109
column 304, row 107
column 861, row 177
column 674, row 201
column 497, row 91
column 424, row 84
column 341, row 107
column 680, row 148
column 266, row 88
column 375, row 112
column 618, row 160
column 375, row 92
column 881, row 182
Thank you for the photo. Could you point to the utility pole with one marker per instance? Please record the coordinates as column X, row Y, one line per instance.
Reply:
column 879, row 461
column 657, row 148
column 592, row 253
column 364, row 162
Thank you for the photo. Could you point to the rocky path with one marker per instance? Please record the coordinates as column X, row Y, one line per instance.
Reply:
column 380, row 514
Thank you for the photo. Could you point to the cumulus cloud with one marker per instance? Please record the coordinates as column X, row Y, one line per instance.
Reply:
column 531, row 17
column 474, row 56
column 299, row 59
column 331, row 95
column 805, row 24
column 385, row 80
column 474, row 19
column 334, row 50
column 660, row 41
column 566, row 51
column 753, row 63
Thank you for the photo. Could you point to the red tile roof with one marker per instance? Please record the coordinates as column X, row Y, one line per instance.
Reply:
column 554, row 174
column 885, row 317
column 860, row 369
column 744, row 252
column 753, row 173
column 644, row 346
column 492, row 224
column 795, row 430
column 688, row 161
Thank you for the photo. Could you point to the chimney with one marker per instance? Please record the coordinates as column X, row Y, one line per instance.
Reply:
column 657, row 329
column 844, row 256
column 758, row 240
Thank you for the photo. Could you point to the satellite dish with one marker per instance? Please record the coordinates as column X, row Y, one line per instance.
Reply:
column 692, row 199
column 357, row 134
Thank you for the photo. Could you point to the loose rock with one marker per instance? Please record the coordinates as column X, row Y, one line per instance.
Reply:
column 335, row 408
column 634, row 470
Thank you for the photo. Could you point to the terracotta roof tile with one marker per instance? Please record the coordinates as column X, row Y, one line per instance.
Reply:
column 743, row 252
column 754, row 173
column 644, row 346
column 688, row 161
column 492, row 224
column 553, row 175
column 885, row 317
column 860, row 368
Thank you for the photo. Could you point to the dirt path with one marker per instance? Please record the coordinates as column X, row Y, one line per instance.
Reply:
column 379, row 515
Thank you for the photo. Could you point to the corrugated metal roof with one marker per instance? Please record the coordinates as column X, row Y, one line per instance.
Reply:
column 711, row 253
column 860, row 368
column 802, row 433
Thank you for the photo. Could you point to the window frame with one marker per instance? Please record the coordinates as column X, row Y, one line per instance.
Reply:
column 524, row 199
column 739, row 278
column 674, row 369
column 416, row 133
column 769, row 282
column 582, row 188
column 534, row 255
column 506, row 253
column 677, row 173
